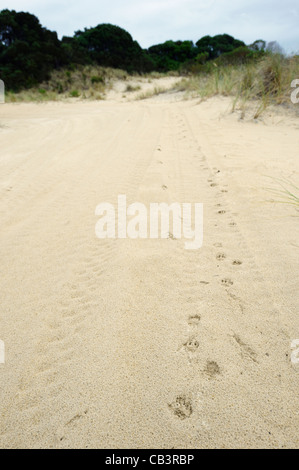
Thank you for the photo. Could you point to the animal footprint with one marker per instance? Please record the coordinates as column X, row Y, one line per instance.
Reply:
column 192, row 345
column 221, row 212
column 221, row 256
column 237, row 262
column 194, row 320
column 181, row 407
column 227, row 282
column 164, row 187
column 212, row 368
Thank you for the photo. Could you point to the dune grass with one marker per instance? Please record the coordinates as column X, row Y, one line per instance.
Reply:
column 82, row 82
column 131, row 88
column 261, row 83
column 153, row 92
column 266, row 82
column 286, row 192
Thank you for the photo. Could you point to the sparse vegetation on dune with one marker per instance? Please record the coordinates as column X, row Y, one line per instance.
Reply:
column 84, row 82
column 256, row 84
column 266, row 81
column 153, row 92
column 130, row 88
column 87, row 82
column 36, row 66
column 284, row 192
column 86, row 65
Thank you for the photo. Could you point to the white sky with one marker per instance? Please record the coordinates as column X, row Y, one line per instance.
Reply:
column 152, row 22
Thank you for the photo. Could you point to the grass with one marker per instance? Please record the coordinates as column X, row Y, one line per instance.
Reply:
column 130, row 88
column 153, row 92
column 261, row 83
column 84, row 82
column 287, row 193
column 265, row 82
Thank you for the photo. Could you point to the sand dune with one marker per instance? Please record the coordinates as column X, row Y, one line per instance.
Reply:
column 141, row 343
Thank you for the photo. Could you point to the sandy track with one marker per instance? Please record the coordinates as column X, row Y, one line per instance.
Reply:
column 123, row 343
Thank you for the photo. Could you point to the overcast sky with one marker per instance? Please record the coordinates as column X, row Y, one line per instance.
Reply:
column 152, row 22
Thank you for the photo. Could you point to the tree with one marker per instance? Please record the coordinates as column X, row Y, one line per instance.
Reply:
column 112, row 46
column 28, row 52
column 217, row 45
column 172, row 54
column 258, row 45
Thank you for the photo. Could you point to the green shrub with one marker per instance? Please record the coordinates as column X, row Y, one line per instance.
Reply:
column 131, row 88
column 75, row 94
column 96, row 79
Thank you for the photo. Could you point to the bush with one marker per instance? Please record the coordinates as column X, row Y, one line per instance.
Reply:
column 28, row 52
column 95, row 79
column 75, row 94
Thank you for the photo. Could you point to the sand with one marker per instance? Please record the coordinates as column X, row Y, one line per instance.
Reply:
column 140, row 343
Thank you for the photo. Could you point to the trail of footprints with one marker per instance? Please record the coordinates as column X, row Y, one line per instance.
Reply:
column 182, row 406
column 56, row 350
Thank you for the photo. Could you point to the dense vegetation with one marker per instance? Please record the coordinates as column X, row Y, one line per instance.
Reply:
column 106, row 45
column 29, row 53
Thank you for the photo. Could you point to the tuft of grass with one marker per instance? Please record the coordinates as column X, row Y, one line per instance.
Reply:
column 33, row 95
column 75, row 94
column 288, row 193
column 96, row 79
column 150, row 93
column 130, row 88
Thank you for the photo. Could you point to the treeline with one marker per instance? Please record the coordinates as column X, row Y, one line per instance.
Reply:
column 29, row 52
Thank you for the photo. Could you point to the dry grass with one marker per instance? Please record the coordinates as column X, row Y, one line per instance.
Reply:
column 267, row 82
column 82, row 82
column 88, row 82
column 153, row 92
column 263, row 83
column 284, row 192
column 131, row 88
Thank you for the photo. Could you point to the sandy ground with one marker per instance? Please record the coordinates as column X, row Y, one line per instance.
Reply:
column 141, row 343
